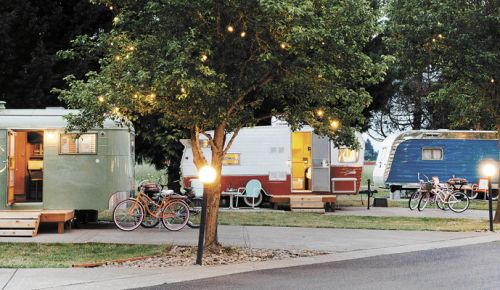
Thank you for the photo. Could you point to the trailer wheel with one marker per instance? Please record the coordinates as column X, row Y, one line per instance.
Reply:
column 258, row 200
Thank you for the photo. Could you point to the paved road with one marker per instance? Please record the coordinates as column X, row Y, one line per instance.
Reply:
column 467, row 267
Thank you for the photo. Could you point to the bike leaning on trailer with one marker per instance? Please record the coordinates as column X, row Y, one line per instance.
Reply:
column 171, row 209
column 444, row 197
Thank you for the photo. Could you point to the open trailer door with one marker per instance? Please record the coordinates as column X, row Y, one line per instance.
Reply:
column 320, row 164
column 3, row 163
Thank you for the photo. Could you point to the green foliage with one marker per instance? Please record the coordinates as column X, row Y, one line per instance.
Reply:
column 207, row 63
column 446, row 60
column 370, row 153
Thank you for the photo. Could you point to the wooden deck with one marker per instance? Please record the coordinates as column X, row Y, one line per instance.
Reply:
column 305, row 202
column 26, row 222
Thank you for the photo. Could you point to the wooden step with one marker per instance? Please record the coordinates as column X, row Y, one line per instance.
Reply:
column 314, row 210
column 19, row 223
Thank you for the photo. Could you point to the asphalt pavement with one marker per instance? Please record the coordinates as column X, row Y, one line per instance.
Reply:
column 466, row 267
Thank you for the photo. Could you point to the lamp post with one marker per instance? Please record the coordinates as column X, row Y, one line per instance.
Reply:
column 207, row 175
column 488, row 169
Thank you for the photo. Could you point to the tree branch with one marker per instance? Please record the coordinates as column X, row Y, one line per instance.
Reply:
column 233, row 137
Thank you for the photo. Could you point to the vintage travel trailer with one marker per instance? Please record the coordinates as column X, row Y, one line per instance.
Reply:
column 42, row 167
column 285, row 162
column 442, row 153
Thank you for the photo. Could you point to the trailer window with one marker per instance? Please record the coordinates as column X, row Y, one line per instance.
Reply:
column 347, row 155
column 432, row 153
column 231, row 159
column 85, row 144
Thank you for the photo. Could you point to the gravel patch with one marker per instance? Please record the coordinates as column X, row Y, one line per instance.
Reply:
column 185, row 256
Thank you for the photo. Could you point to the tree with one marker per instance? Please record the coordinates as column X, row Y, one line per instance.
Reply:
column 463, row 37
column 213, row 67
column 370, row 153
column 32, row 32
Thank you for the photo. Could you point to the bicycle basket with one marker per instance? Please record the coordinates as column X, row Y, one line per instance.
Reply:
column 428, row 186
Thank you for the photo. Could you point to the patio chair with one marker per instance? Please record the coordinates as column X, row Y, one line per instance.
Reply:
column 251, row 190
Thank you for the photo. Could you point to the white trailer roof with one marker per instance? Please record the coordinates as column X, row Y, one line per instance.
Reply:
column 50, row 118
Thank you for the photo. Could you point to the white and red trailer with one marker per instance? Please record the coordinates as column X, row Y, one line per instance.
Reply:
column 285, row 162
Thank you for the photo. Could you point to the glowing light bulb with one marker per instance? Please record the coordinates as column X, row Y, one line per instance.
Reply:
column 207, row 174
column 110, row 7
column 183, row 90
column 433, row 40
column 492, row 80
column 320, row 113
column 152, row 96
column 335, row 124
column 203, row 57
column 243, row 34
column 116, row 110
column 101, row 99
column 230, row 29
column 118, row 58
column 440, row 35
column 136, row 96
column 283, row 45
column 131, row 48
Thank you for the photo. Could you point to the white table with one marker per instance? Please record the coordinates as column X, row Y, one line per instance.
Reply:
column 231, row 195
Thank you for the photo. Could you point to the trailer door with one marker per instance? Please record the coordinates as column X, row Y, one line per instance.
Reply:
column 3, row 164
column 320, row 163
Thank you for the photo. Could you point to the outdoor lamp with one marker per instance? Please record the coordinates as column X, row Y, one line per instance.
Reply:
column 207, row 174
column 489, row 168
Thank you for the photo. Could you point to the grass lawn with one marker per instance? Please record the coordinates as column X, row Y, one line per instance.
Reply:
column 35, row 255
column 314, row 220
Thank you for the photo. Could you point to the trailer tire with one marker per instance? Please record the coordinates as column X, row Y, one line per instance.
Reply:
column 258, row 200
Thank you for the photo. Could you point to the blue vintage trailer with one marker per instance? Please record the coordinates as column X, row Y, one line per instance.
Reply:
column 442, row 153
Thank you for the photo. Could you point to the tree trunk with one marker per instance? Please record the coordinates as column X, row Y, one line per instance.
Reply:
column 211, row 191
column 497, row 214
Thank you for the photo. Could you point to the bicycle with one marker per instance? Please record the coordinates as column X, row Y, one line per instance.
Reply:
column 171, row 210
column 457, row 201
column 155, row 190
column 424, row 187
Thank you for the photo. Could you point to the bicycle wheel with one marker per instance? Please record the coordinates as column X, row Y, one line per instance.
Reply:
column 175, row 215
column 414, row 199
column 440, row 197
column 150, row 221
column 194, row 213
column 128, row 215
column 458, row 201
column 424, row 200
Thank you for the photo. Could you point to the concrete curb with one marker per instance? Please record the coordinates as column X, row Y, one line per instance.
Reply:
column 113, row 278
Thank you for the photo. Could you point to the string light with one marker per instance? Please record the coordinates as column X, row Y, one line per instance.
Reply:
column 334, row 124
column 135, row 96
column 433, row 40
column 243, row 34
column 110, row 7
column 230, row 29
column 118, row 58
column 131, row 48
column 320, row 113
column 116, row 110
column 116, row 19
column 183, row 90
column 127, row 55
column 152, row 96
column 204, row 57
column 492, row 80
column 440, row 35
column 101, row 99
column 283, row 45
